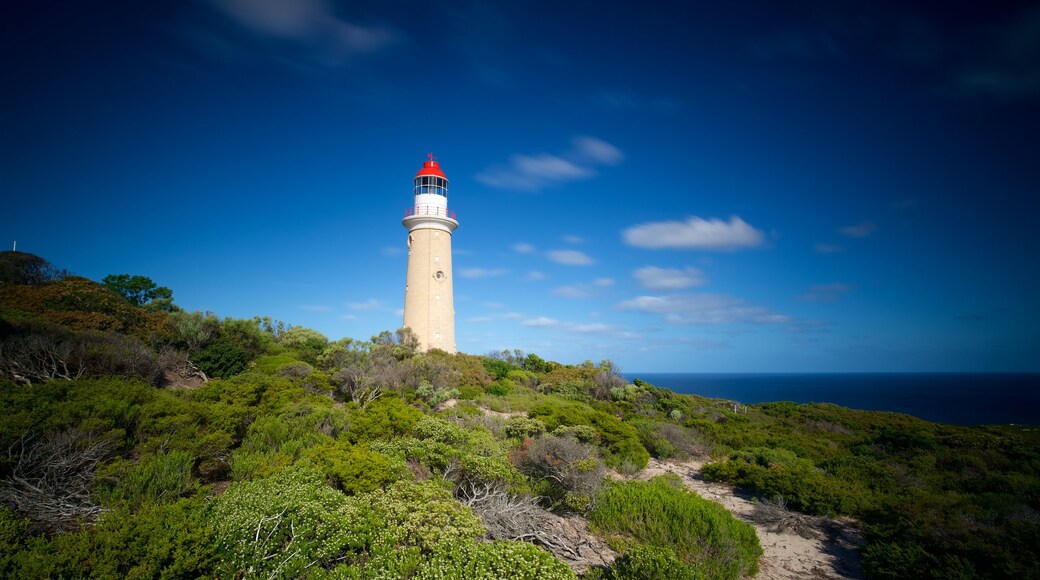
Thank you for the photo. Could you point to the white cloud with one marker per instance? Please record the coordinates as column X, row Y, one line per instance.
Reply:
column 860, row 230
column 348, row 317
column 572, row 239
column 310, row 23
column 695, row 233
column 370, row 304
column 541, row 170
column 827, row 248
column 540, row 321
column 522, row 248
column 314, row 307
column 573, row 291
column 482, row 272
column 594, row 327
column 570, row 257
column 603, row 282
column 654, row 278
column 704, row 309
column 597, row 151
column 534, row 275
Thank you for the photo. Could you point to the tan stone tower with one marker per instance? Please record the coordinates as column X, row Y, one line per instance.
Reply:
column 429, row 306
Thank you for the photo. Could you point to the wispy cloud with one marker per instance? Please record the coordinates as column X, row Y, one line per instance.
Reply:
column 704, row 309
column 315, row 307
column 603, row 282
column 695, row 234
column 572, row 291
column 596, row 151
column 482, row 272
column 826, row 292
column 654, row 278
column 348, row 317
column 570, row 257
column 540, row 321
column 370, row 304
column 522, row 248
column 538, row 171
column 572, row 239
column 311, row 24
column 860, row 230
column 535, row 275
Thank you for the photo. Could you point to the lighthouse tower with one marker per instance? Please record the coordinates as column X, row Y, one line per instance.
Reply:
column 429, row 306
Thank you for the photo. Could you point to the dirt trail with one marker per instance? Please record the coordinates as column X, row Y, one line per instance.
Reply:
column 787, row 556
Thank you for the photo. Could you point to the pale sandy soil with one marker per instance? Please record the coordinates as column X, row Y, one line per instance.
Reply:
column 787, row 556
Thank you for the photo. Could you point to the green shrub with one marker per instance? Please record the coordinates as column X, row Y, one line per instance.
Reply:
column 522, row 427
column 702, row 533
column 651, row 563
column 172, row 540
column 502, row 559
column 619, row 440
column 385, row 418
column 780, row 472
column 151, row 479
column 282, row 525
column 356, row 469
column 220, row 359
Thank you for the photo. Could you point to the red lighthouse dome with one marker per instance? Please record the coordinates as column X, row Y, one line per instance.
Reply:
column 431, row 168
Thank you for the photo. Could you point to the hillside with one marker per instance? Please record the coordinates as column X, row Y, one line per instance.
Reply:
column 146, row 441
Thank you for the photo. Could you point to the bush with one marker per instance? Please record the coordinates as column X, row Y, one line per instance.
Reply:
column 280, row 526
column 569, row 471
column 702, row 533
column 385, row 418
column 650, row 563
column 522, row 427
column 220, row 359
column 356, row 469
column 154, row 479
column 501, row 559
column 173, row 540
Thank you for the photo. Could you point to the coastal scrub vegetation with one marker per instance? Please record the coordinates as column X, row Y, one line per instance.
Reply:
column 140, row 440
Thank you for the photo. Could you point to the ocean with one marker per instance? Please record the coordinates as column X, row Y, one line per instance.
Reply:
column 962, row 399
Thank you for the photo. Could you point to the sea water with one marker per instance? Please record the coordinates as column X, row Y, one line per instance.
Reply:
column 964, row 399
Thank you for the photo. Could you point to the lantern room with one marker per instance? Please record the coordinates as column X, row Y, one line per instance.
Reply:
column 431, row 180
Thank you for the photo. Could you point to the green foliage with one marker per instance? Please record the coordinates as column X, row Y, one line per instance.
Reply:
column 651, row 563
column 356, row 469
column 140, row 290
column 29, row 269
column 619, row 440
column 434, row 396
column 280, row 525
column 703, row 534
column 502, row 559
column 220, row 359
column 173, row 540
column 154, row 479
column 775, row 471
column 305, row 343
column 522, row 427
column 384, row 418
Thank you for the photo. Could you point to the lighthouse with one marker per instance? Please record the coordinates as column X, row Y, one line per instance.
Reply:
column 429, row 306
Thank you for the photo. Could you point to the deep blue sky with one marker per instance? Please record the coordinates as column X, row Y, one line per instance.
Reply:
column 814, row 186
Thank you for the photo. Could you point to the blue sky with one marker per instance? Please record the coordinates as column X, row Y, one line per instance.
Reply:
column 761, row 187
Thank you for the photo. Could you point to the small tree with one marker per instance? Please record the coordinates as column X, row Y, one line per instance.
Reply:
column 140, row 290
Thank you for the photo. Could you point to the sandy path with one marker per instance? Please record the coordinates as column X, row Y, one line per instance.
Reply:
column 787, row 556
